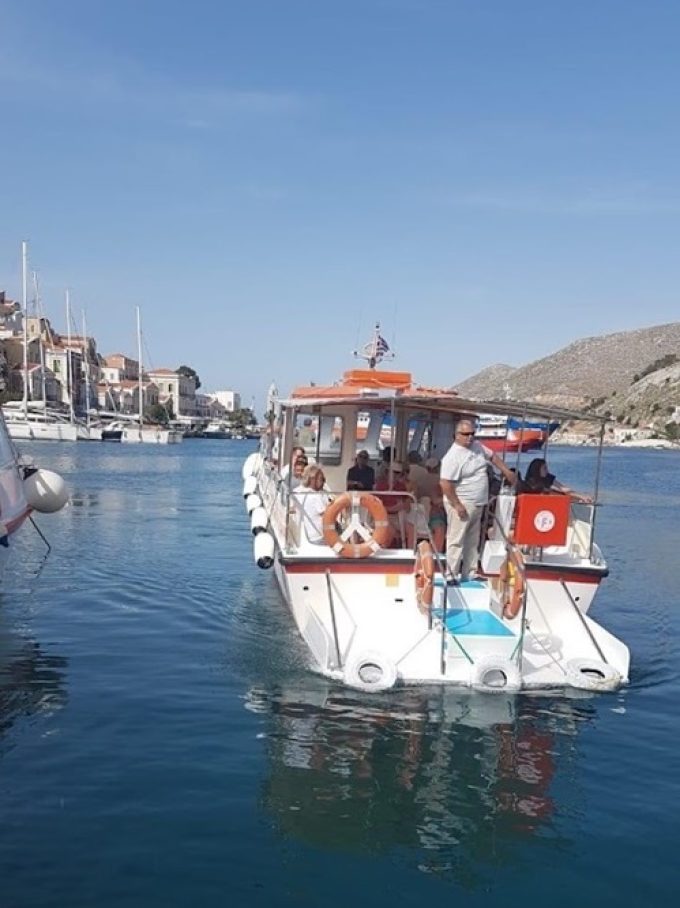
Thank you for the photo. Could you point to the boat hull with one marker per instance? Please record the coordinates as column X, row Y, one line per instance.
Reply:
column 361, row 616
column 42, row 432
column 530, row 440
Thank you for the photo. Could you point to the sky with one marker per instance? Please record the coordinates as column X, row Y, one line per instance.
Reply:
column 267, row 179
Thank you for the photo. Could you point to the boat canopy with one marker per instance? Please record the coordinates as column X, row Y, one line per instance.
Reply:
column 373, row 388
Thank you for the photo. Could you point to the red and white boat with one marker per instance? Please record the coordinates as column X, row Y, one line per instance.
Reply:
column 502, row 433
column 375, row 616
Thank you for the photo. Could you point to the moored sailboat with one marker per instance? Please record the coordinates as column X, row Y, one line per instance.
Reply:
column 138, row 432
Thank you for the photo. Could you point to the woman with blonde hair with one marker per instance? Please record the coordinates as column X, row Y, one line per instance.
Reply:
column 312, row 501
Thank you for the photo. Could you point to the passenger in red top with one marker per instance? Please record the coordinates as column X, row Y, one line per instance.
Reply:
column 396, row 505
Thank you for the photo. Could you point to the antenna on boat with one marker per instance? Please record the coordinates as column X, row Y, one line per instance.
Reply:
column 376, row 350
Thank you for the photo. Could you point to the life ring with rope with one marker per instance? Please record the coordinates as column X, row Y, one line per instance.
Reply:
column 512, row 578
column 349, row 506
column 424, row 574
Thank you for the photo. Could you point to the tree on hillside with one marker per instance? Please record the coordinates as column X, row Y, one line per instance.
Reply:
column 190, row 373
column 672, row 431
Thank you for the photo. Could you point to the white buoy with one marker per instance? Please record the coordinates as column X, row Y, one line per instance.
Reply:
column 250, row 464
column 45, row 491
column 258, row 521
column 253, row 501
column 249, row 486
column 263, row 547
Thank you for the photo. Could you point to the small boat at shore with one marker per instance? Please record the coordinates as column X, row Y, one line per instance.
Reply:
column 374, row 616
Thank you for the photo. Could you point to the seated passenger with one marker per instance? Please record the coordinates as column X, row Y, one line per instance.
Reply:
column 539, row 481
column 385, row 461
column 361, row 477
column 312, row 501
column 396, row 505
column 299, row 465
column 297, row 451
column 437, row 521
column 421, row 487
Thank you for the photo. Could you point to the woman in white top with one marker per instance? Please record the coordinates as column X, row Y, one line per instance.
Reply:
column 313, row 501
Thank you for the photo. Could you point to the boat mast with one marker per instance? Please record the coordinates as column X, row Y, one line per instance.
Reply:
column 38, row 313
column 69, row 363
column 86, row 361
column 375, row 350
column 24, row 306
column 141, row 370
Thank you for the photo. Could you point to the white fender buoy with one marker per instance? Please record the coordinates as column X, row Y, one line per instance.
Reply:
column 249, row 486
column 494, row 674
column 263, row 547
column 592, row 674
column 258, row 521
column 253, row 501
column 250, row 464
column 370, row 671
column 45, row 491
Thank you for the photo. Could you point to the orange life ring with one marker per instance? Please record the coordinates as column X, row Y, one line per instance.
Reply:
column 373, row 540
column 512, row 578
column 424, row 574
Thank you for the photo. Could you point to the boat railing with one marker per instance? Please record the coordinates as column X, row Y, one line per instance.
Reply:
column 515, row 557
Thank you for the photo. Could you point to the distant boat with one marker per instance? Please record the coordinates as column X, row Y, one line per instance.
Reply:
column 217, row 429
column 506, row 433
column 137, row 432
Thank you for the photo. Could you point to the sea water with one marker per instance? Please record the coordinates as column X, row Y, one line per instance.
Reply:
column 163, row 742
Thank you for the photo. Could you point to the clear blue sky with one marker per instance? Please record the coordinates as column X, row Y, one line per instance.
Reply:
column 267, row 178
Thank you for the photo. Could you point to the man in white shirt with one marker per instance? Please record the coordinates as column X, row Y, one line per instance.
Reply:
column 464, row 482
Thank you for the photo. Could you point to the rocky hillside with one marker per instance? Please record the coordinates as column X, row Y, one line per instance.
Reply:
column 633, row 377
column 590, row 368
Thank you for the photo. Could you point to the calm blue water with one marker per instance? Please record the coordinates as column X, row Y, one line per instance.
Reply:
column 163, row 744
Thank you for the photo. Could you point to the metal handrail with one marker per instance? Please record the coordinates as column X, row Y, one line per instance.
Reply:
column 514, row 551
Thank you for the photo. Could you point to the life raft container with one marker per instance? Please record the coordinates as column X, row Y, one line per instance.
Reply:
column 424, row 575
column 374, row 538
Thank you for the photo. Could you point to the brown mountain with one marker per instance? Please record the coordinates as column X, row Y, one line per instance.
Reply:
column 594, row 367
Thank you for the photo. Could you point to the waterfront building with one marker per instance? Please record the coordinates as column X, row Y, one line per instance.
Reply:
column 176, row 390
column 230, row 400
column 207, row 407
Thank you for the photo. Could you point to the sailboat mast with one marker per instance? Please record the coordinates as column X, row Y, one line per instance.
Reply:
column 86, row 361
column 69, row 364
column 24, row 306
column 141, row 370
column 38, row 314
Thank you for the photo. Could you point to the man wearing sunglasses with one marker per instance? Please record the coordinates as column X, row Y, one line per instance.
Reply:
column 464, row 481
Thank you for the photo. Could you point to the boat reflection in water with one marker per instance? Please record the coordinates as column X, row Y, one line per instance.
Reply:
column 31, row 680
column 456, row 777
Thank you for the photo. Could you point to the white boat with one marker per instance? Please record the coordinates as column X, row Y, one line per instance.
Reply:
column 22, row 490
column 134, row 433
column 373, row 616
column 137, row 432
column 34, row 421
column 217, row 429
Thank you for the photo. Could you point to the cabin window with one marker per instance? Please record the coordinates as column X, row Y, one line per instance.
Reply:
column 321, row 437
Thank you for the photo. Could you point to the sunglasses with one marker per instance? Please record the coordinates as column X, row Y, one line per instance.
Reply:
column 465, row 433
